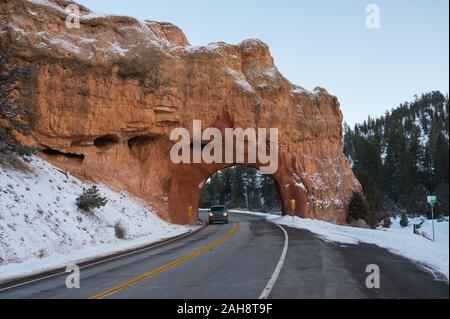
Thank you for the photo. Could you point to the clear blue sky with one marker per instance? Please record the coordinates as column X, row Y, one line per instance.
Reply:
column 324, row 42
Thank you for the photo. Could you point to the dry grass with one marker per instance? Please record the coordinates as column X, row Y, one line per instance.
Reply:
column 13, row 162
column 120, row 231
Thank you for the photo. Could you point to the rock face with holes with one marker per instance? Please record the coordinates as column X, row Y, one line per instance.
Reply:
column 109, row 94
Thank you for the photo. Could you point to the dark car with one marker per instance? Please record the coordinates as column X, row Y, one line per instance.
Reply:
column 218, row 214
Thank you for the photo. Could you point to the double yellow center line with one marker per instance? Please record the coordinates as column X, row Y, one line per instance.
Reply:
column 157, row 271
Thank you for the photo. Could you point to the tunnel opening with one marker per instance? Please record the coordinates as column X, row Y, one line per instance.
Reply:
column 58, row 155
column 191, row 188
column 141, row 145
column 242, row 188
column 106, row 142
column 141, row 141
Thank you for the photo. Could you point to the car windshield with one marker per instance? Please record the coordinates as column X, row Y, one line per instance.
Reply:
column 217, row 209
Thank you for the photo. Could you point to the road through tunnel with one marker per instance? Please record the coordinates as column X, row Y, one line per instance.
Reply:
column 191, row 188
column 241, row 188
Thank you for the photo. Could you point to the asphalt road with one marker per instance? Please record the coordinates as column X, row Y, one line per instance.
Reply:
column 239, row 261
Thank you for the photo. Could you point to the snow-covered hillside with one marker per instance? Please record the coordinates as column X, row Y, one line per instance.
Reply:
column 41, row 227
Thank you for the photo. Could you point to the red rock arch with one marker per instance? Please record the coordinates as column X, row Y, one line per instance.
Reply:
column 105, row 112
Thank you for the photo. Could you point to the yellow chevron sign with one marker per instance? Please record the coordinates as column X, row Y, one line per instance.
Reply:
column 293, row 204
column 190, row 210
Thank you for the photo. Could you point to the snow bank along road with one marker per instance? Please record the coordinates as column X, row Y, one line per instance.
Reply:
column 244, row 260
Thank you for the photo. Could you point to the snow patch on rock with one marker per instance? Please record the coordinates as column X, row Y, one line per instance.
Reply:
column 210, row 48
column 240, row 80
column 117, row 49
column 94, row 15
column 299, row 90
column 49, row 4
column 69, row 46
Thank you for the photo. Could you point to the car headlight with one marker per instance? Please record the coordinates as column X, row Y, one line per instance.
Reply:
column 225, row 214
column 211, row 215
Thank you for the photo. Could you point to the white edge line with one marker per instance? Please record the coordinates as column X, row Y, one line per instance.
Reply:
column 266, row 292
column 139, row 250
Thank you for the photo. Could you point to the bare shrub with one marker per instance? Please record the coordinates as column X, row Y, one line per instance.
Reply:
column 15, row 162
column 387, row 222
column 119, row 231
column 360, row 223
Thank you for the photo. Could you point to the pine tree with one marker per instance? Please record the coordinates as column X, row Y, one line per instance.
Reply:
column 90, row 199
column 241, row 187
column 253, row 195
column 404, row 222
column 270, row 197
column 207, row 198
column 402, row 157
column 441, row 158
column 238, row 199
column 358, row 209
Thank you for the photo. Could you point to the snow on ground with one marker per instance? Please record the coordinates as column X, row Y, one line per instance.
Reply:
column 42, row 229
column 441, row 228
column 268, row 216
column 402, row 241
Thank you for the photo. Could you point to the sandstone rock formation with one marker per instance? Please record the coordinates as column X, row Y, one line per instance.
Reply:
column 109, row 93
